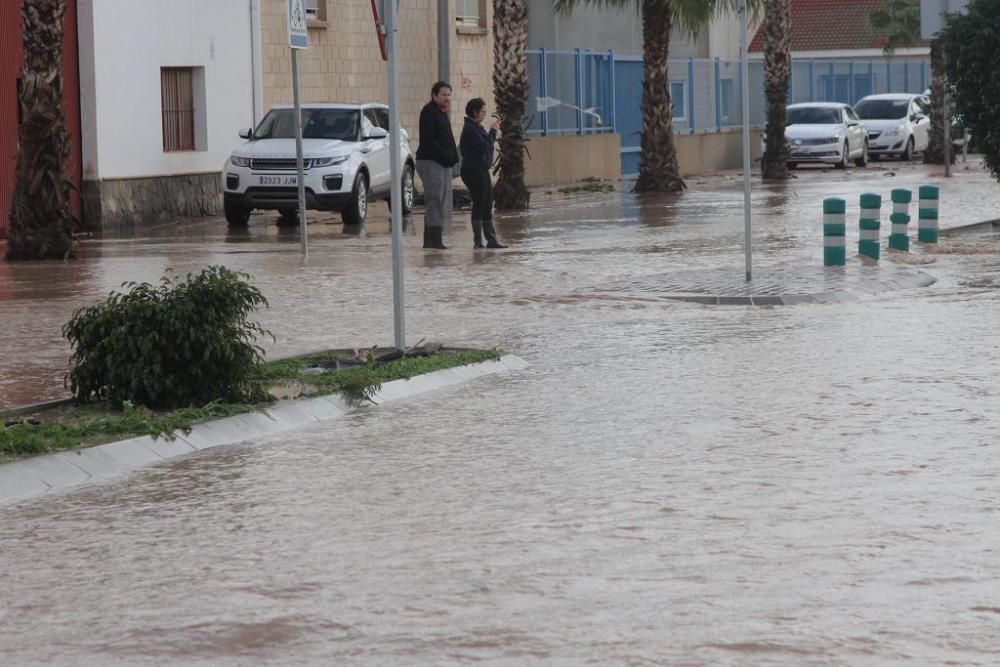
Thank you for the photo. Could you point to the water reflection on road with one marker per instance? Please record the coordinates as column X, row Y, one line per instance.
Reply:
column 667, row 484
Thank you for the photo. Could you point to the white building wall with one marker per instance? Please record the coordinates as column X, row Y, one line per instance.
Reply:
column 123, row 44
column 724, row 35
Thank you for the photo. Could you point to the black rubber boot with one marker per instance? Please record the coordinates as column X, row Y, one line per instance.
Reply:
column 435, row 238
column 427, row 236
column 477, row 234
column 490, row 232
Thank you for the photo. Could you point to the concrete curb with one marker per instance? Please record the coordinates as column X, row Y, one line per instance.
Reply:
column 44, row 474
column 982, row 225
column 774, row 287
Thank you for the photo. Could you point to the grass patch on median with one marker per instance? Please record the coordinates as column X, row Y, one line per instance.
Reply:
column 356, row 376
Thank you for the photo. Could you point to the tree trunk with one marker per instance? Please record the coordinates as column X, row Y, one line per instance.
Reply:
column 510, row 88
column 935, row 149
column 777, row 71
column 41, row 216
column 658, row 169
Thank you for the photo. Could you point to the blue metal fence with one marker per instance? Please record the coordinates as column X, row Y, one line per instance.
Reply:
column 571, row 92
column 583, row 92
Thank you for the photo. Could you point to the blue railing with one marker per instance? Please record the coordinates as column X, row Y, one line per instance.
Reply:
column 571, row 92
column 583, row 92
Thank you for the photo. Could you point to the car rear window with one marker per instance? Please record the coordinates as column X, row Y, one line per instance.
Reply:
column 340, row 124
column 882, row 109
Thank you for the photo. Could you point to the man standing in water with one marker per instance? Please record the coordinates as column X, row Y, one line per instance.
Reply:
column 436, row 155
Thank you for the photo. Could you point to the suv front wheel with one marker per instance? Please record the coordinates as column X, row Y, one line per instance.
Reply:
column 357, row 208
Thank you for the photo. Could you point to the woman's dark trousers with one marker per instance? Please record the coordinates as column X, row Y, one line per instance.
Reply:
column 481, row 188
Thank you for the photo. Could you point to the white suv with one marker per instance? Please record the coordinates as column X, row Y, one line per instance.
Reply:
column 345, row 151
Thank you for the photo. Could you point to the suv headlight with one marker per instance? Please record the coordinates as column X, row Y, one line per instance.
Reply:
column 240, row 161
column 893, row 131
column 328, row 161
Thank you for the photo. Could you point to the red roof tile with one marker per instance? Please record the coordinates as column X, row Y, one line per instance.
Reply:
column 831, row 25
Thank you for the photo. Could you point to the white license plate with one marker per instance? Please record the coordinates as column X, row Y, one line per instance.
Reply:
column 278, row 180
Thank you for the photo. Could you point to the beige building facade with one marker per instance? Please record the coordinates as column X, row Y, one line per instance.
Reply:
column 343, row 62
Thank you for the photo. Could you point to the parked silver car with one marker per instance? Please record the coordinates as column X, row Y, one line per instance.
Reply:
column 898, row 124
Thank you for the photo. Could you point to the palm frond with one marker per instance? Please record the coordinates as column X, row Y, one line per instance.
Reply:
column 688, row 15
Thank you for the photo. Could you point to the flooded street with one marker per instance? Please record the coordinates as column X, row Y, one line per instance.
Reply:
column 667, row 484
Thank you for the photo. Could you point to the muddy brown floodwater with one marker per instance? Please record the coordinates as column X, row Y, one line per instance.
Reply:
column 667, row 484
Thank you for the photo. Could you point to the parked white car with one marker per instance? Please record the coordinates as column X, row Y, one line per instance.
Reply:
column 898, row 124
column 345, row 157
column 825, row 133
column 961, row 136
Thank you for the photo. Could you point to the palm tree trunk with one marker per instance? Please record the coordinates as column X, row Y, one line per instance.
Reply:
column 935, row 149
column 41, row 216
column 777, row 71
column 510, row 88
column 658, row 168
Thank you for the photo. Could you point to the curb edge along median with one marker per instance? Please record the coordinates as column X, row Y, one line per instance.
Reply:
column 38, row 475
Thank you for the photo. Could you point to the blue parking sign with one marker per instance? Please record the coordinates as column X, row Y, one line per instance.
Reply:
column 298, row 32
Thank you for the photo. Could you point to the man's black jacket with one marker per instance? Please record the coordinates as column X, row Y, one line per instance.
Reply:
column 437, row 142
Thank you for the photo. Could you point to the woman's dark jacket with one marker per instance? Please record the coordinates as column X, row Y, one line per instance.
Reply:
column 437, row 142
column 477, row 146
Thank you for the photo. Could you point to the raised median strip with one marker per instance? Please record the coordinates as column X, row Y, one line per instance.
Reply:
column 771, row 286
column 58, row 471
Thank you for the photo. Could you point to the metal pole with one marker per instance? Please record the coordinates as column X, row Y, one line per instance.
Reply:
column 445, row 28
column 444, row 39
column 298, row 153
column 395, row 175
column 745, row 94
column 947, row 136
column 690, row 96
column 257, row 61
column 613, row 93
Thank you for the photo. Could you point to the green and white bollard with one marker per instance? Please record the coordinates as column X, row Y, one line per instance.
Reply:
column 834, row 232
column 899, row 239
column 927, row 223
column 871, row 220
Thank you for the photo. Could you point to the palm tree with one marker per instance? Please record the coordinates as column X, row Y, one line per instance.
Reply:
column 777, row 72
column 658, row 168
column 510, row 88
column 41, row 216
column 899, row 22
column 935, row 147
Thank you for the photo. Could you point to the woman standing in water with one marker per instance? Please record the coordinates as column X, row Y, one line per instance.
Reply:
column 476, row 147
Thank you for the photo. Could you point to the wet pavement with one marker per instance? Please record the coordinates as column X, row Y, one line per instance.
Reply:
column 341, row 295
column 669, row 483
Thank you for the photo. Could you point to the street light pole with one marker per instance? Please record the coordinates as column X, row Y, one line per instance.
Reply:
column 745, row 95
column 395, row 173
column 298, row 153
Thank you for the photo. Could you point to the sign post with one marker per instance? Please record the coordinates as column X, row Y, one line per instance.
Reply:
column 745, row 95
column 298, row 38
column 385, row 12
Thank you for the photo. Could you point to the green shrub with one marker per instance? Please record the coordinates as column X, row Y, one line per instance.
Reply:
column 184, row 342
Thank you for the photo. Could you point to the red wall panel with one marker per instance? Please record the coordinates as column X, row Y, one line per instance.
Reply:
column 11, row 64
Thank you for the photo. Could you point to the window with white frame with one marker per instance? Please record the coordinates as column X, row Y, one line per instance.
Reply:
column 470, row 13
column 726, row 99
column 315, row 10
column 677, row 99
